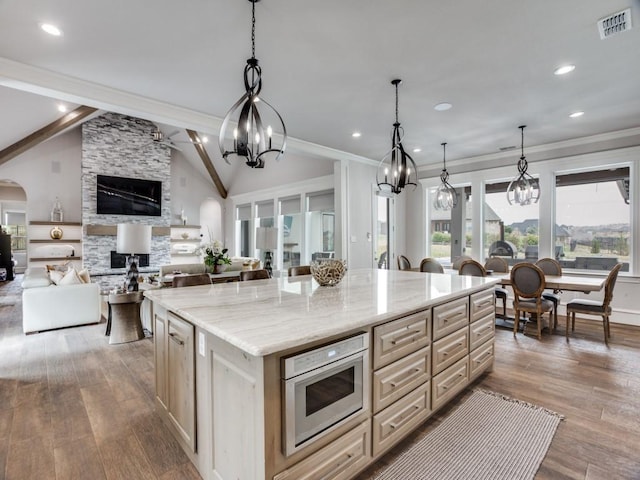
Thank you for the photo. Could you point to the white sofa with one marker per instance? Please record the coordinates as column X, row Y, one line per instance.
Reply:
column 46, row 306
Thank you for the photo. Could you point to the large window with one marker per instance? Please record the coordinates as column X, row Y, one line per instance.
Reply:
column 382, row 243
column 510, row 231
column 593, row 219
column 450, row 231
column 320, row 231
column 291, row 222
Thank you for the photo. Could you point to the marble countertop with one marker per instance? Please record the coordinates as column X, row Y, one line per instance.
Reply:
column 263, row 317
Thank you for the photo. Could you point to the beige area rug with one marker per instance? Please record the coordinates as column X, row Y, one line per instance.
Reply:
column 489, row 436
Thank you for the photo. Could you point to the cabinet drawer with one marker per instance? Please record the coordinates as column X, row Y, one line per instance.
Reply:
column 393, row 381
column 400, row 418
column 400, row 337
column 450, row 317
column 482, row 303
column 481, row 359
column 450, row 349
column 481, row 331
column 341, row 459
column 447, row 384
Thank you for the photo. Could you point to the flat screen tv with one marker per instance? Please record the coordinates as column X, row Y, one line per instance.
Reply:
column 128, row 196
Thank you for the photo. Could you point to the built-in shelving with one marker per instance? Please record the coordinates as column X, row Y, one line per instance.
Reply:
column 186, row 240
column 57, row 240
column 68, row 224
column 52, row 259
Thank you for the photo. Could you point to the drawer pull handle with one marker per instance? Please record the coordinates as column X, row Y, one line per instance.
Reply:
column 176, row 339
column 408, row 375
column 446, row 387
column 339, row 465
column 403, row 418
column 406, row 338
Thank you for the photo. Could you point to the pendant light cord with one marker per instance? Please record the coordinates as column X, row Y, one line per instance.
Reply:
column 253, row 29
column 522, row 141
column 444, row 156
column 397, row 102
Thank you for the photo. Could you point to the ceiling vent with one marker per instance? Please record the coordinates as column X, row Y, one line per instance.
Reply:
column 616, row 23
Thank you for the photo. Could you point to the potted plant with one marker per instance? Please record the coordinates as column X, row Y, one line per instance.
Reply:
column 215, row 257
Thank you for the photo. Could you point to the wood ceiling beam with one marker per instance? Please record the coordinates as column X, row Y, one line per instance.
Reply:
column 45, row 133
column 208, row 164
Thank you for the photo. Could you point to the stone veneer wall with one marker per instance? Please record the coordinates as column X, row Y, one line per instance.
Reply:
column 121, row 146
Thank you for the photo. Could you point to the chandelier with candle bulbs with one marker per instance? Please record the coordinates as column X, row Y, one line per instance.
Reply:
column 446, row 195
column 251, row 140
column 524, row 189
column 397, row 169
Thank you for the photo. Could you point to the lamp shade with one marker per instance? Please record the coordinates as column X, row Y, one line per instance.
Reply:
column 133, row 238
column 266, row 238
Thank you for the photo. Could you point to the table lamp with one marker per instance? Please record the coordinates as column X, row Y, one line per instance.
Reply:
column 133, row 239
column 267, row 240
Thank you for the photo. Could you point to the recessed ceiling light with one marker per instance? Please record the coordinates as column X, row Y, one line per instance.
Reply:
column 51, row 29
column 441, row 107
column 576, row 114
column 563, row 70
column 205, row 139
column 62, row 108
column 417, row 150
column 356, row 134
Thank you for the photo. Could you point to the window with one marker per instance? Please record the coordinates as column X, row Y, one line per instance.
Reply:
column 593, row 219
column 292, row 222
column 450, row 231
column 382, row 243
column 510, row 231
column 320, row 225
column 243, row 219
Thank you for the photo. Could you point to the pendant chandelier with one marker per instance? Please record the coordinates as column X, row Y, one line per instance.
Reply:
column 524, row 189
column 446, row 195
column 397, row 169
column 251, row 140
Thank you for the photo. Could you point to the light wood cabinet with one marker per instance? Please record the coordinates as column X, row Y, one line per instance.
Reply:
column 481, row 359
column 481, row 331
column 395, row 422
column 174, row 341
column 449, row 383
column 393, row 381
column 450, row 316
column 395, row 339
column 450, row 349
column 340, row 460
column 481, row 304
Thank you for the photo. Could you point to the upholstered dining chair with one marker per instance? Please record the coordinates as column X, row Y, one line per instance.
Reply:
column 458, row 261
column 594, row 307
column 550, row 266
column 431, row 265
column 473, row 268
column 403, row 263
column 191, row 280
column 527, row 281
column 299, row 270
column 260, row 274
column 499, row 265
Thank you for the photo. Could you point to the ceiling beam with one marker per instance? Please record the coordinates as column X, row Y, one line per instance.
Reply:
column 208, row 164
column 45, row 133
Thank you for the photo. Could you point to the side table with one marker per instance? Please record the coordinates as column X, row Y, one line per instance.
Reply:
column 123, row 323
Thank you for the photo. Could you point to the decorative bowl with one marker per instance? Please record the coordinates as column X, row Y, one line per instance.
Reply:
column 328, row 273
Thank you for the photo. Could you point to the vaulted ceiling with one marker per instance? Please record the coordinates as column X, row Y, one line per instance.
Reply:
column 327, row 67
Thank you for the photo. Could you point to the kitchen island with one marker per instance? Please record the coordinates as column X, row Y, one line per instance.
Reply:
column 221, row 350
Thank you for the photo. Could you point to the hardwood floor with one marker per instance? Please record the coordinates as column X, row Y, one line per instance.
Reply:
column 74, row 407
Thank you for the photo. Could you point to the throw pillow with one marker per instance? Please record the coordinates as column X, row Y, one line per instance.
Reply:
column 71, row 278
column 84, row 275
column 59, row 268
column 56, row 276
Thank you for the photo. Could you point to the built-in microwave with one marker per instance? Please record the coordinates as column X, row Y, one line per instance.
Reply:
column 322, row 389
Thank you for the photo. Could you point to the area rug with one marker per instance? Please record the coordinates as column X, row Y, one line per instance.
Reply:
column 489, row 436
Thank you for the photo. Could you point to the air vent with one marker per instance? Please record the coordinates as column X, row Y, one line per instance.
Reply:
column 616, row 23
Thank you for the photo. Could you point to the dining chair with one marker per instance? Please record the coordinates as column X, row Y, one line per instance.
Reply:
column 594, row 307
column 550, row 266
column 260, row 274
column 458, row 261
column 472, row 268
column 431, row 265
column 499, row 265
column 187, row 280
column 299, row 270
column 527, row 281
column 403, row 263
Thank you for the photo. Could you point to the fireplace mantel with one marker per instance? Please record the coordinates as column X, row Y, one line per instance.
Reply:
column 111, row 230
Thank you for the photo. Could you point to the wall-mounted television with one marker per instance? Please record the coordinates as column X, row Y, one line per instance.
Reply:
column 128, row 196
